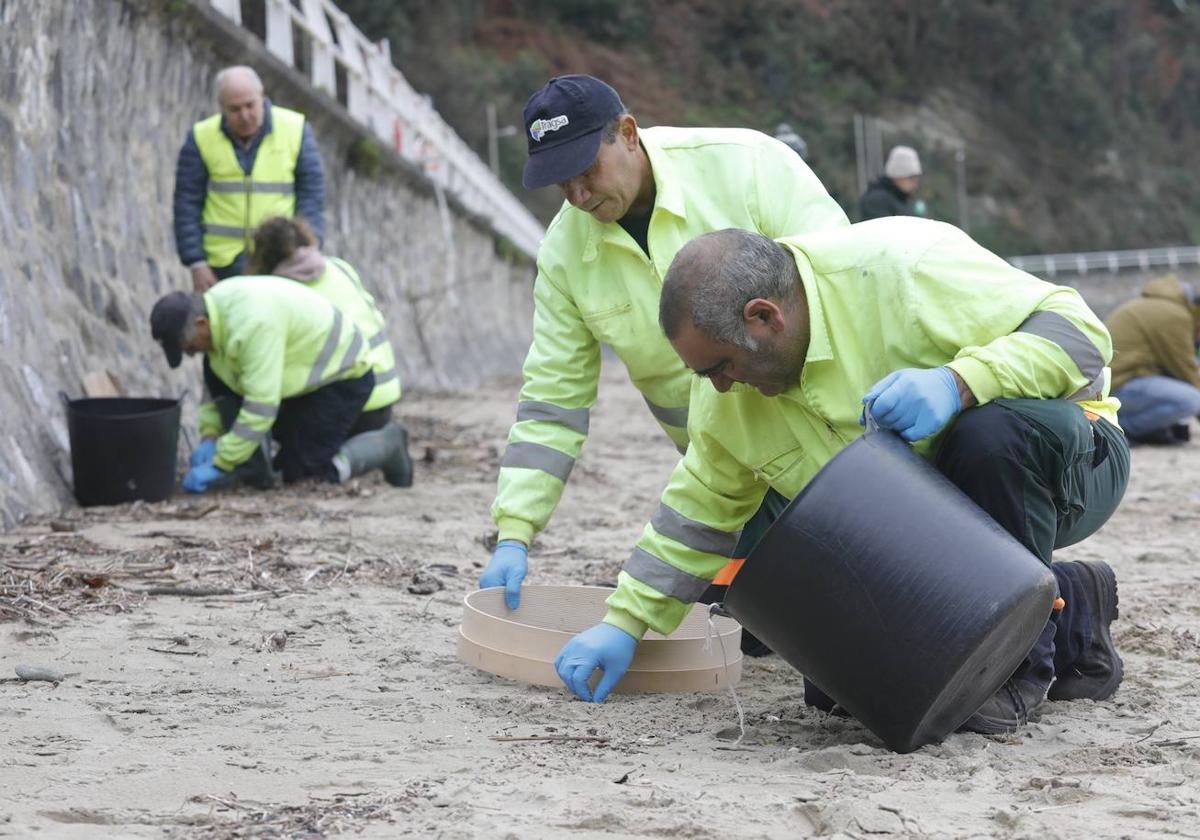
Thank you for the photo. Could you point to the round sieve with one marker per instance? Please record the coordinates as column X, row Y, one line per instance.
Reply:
column 521, row 644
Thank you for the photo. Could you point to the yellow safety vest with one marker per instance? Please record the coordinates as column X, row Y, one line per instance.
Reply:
column 236, row 202
column 342, row 286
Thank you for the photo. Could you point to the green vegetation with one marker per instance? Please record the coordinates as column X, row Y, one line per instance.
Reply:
column 1080, row 117
column 365, row 156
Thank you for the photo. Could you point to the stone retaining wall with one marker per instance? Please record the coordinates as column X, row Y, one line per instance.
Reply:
column 95, row 100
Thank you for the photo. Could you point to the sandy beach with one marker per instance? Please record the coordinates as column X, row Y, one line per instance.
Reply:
column 283, row 665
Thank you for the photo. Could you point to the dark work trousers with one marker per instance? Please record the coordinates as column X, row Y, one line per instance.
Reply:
column 770, row 509
column 1050, row 477
column 235, row 268
column 370, row 421
column 309, row 428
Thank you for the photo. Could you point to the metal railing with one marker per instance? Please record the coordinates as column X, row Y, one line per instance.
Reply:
column 1111, row 261
column 342, row 62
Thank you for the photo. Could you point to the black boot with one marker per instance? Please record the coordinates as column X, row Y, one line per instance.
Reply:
column 1099, row 670
column 1170, row 436
column 254, row 472
column 1019, row 701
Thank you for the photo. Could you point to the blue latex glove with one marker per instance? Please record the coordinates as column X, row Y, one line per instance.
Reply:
column 916, row 403
column 205, row 452
column 201, row 476
column 603, row 646
column 507, row 568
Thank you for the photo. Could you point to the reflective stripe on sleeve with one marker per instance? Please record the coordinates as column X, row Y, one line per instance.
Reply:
column 377, row 339
column 331, row 343
column 664, row 577
column 535, row 456
column 264, row 408
column 1094, row 390
column 575, row 419
column 243, row 431
column 695, row 535
column 1054, row 327
column 676, row 417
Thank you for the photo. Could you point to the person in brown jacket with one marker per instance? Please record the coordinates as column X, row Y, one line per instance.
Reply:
column 1155, row 373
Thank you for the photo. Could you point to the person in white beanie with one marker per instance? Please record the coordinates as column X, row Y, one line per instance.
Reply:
column 892, row 193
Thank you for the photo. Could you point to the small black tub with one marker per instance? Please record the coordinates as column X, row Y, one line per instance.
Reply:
column 123, row 448
column 893, row 592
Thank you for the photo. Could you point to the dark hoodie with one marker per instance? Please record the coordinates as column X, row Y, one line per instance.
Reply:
column 884, row 198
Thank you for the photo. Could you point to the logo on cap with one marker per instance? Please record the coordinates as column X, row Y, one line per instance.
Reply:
column 540, row 128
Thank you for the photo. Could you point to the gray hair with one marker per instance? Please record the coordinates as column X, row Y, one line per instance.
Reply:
column 714, row 276
column 197, row 310
column 224, row 76
column 609, row 133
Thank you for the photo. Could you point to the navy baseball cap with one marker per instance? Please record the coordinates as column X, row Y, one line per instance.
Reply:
column 563, row 122
column 168, row 319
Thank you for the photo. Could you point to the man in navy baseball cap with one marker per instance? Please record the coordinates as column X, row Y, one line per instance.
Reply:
column 179, row 322
column 634, row 196
column 564, row 122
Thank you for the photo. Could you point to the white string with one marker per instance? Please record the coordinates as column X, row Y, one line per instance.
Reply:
column 710, row 631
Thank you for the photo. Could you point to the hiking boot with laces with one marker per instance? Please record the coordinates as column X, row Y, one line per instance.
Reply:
column 1099, row 670
column 1017, row 702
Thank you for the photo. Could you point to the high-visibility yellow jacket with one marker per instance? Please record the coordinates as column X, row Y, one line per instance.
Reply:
column 272, row 339
column 883, row 295
column 595, row 285
column 342, row 286
column 236, row 203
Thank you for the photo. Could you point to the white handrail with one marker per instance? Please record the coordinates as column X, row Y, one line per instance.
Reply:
column 1112, row 261
column 379, row 97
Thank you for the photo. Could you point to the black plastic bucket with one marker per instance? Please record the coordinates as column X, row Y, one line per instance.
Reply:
column 893, row 592
column 123, row 448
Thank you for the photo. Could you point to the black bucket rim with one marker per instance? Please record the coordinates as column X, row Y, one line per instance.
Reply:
column 79, row 406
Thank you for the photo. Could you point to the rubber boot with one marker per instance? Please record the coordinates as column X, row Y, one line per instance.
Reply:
column 386, row 448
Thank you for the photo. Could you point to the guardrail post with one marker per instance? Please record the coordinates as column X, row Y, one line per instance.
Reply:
column 324, row 75
column 279, row 30
column 232, row 9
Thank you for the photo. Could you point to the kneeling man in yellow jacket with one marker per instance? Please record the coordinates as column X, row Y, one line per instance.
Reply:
column 282, row 363
column 999, row 378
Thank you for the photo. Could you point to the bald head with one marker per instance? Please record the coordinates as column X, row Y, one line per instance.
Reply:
column 237, row 81
column 239, row 93
column 714, row 276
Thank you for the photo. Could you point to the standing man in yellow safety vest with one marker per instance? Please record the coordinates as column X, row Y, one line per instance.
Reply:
column 250, row 161
column 634, row 197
